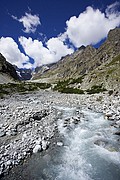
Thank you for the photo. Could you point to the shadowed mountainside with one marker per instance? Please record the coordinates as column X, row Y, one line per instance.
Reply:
column 7, row 71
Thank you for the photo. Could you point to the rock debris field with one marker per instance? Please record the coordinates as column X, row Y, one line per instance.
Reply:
column 28, row 122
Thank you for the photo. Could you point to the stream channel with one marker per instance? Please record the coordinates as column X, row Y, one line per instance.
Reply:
column 84, row 149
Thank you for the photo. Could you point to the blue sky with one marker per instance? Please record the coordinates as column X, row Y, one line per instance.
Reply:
column 37, row 32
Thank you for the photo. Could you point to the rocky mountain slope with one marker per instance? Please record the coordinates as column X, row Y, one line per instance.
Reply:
column 96, row 66
column 7, row 71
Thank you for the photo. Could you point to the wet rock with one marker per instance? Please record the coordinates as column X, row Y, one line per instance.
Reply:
column 107, row 145
column 117, row 133
column 76, row 120
column 101, row 143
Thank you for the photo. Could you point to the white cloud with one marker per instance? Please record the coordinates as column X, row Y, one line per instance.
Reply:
column 44, row 55
column 29, row 21
column 57, row 48
column 111, row 10
column 10, row 51
column 92, row 25
column 89, row 27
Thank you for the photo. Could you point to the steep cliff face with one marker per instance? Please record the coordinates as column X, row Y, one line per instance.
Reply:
column 7, row 71
column 90, row 62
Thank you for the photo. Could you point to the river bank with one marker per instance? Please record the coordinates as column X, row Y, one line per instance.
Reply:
column 29, row 122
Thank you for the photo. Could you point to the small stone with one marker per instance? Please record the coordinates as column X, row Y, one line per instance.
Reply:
column 38, row 141
column 37, row 148
column 8, row 163
column 44, row 145
column 24, row 153
column 1, row 125
column 19, row 157
column 59, row 143
column 2, row 133
column 111, row 118
column 118, row 123
column 24, row 136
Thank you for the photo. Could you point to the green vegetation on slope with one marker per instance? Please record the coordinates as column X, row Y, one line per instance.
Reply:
column 22, row 87
column 95, row 89
column 77, row 80
column 63, row 86
column 115, row 60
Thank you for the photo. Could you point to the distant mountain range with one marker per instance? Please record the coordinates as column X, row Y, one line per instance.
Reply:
column 84, row 69
column 94, row 66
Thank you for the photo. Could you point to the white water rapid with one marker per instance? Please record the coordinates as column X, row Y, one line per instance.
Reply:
column 85, row 149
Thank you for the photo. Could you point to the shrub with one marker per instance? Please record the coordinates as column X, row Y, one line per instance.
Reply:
column 72, row 91
column 95, row 89
column 78, row 80
column 22, row 87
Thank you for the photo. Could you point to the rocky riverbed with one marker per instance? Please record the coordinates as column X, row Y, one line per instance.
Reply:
column 29, row 122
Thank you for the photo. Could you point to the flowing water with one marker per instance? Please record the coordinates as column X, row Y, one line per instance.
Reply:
column 89, row 151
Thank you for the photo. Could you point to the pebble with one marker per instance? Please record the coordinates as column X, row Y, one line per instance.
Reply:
column 59, row 143
column 37, row 148
column 2, row 133
column 44, row 145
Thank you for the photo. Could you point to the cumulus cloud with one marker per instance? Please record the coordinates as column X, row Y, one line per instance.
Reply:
column 92, row 25
column 10, row 51
column 57, row 48
column 53, row 51
column 29, row 21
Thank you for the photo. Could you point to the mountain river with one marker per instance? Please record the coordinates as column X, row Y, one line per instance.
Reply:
column 84, row 150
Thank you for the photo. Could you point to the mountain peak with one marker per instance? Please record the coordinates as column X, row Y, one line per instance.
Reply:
column 114, row 35
column 81, row 48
